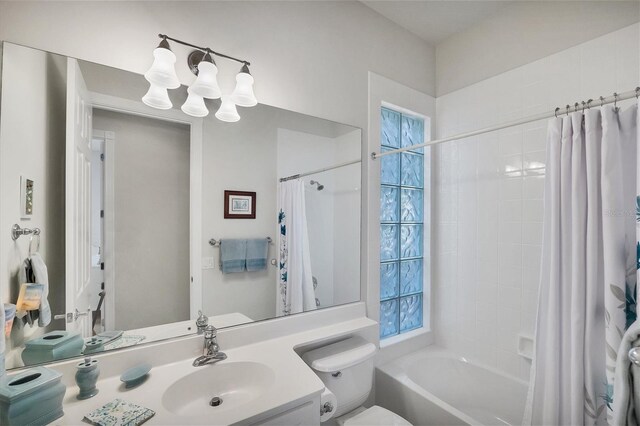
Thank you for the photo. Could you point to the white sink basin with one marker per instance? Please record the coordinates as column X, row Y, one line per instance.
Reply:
column 236, row 383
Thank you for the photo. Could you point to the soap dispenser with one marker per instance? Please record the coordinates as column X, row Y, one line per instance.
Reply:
column 87, row 373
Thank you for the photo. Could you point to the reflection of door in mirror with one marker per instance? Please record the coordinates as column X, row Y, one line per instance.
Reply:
column 78, row 202
column 145, row 250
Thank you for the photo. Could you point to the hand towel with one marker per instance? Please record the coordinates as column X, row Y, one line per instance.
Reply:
column 233, row 255
column 626, row 387
column 42, row 277
column 257, row 252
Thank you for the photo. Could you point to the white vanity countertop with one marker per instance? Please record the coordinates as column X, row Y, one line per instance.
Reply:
column 293, row 381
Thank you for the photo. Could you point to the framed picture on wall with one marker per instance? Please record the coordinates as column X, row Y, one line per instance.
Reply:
column 239, row 205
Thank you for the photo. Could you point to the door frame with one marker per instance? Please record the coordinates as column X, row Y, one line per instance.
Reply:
column 112, row 103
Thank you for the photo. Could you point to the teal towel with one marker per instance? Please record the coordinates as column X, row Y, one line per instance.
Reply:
column 233, row 255
column 257, row 251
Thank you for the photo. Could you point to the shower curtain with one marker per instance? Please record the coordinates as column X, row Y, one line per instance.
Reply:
column 589, row 264
column 295, row 280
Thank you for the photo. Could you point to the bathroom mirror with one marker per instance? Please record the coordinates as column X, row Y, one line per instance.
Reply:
column 119, row 222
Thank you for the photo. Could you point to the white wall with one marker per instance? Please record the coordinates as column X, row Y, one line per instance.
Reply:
column 524, row 32
column 488, row 194
column 311, row 57
column 32, row 130
column 151, row 210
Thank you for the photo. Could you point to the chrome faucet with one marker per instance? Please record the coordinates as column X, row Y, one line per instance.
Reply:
column 201, row 322
column 211, row 352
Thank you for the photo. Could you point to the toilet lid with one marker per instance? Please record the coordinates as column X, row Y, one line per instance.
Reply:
column 376, row 416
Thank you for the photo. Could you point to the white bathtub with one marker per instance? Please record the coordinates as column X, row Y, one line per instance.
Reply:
column 435, row 387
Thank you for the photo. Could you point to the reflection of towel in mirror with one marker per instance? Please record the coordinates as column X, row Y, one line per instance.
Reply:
column 34, row 270
column 626, row 392
column 42, row 277
column 233, row 255
column 257, row 252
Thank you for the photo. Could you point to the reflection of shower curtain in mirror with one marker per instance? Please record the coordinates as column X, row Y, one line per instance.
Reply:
column 295, row 281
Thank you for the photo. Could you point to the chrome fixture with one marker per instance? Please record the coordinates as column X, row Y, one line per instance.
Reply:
column 320, row 186
column 214, row 242
column 202, row 322
column 17, row 231
column 211, row 353
column 162, row 76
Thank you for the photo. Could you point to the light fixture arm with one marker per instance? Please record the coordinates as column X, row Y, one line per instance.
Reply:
column 204, row 49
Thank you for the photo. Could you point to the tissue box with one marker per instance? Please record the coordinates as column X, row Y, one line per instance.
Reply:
column 32, row 397
column 52, row 346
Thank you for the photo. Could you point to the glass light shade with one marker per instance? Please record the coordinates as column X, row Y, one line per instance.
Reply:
column 243, row 94
column 227, row 111
column 163, row 72
column 157, row 97
column 206, row 85
column 194, row 106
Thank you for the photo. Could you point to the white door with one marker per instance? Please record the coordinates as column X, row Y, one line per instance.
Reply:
column 78, row 202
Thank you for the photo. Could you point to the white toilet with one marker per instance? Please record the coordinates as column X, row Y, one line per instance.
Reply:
column 346, row 368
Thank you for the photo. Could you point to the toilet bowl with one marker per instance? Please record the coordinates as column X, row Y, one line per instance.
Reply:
column 346, row 369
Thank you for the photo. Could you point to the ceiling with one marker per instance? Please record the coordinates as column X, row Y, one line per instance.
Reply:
column 434, row 21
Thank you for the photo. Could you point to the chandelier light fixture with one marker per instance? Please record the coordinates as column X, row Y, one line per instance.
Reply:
column 162, row 76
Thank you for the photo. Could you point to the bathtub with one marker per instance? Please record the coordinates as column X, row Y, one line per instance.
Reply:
column 436, row 387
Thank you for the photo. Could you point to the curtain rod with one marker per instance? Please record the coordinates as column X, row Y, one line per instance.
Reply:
column 558, row 112
column 313, row 172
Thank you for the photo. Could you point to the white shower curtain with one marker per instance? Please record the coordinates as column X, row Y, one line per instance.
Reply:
column 588, row 274
column 295, row 280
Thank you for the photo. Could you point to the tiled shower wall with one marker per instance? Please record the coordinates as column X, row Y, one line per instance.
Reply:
column 488, row 194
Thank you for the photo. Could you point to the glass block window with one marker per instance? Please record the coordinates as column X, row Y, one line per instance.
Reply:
column 402, row 220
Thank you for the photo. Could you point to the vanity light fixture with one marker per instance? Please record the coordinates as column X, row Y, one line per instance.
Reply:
column 162, row 76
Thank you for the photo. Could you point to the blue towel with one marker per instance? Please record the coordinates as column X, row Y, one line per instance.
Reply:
column 233, row 255
column 257, row 251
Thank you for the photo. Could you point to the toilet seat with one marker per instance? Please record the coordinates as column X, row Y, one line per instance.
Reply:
column 374, row 416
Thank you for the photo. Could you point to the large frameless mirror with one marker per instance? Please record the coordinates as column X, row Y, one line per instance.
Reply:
column 121, row 224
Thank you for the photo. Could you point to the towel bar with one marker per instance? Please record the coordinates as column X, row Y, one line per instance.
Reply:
column 213, row 242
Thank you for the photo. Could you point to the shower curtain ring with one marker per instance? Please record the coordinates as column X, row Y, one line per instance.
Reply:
column 615, row 101
column 556, row 112
column 589, row 103
column 568, row 106
column 637, row 92
column 584, row 104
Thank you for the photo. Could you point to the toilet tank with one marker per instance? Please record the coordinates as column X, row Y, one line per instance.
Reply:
column 346, row 368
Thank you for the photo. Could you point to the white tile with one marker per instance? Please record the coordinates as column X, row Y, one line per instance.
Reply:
column 510, row 232
column 532, row 232
column 510, row 297
column 510, row 276
column 531, row 257
column 511, row 210
column 510, row 255
column 533, row 187
column 533, row 210
column 510, row 188
column 534, row 139
column 486, row 313
column 510, row 141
